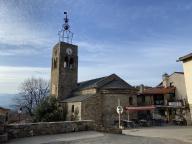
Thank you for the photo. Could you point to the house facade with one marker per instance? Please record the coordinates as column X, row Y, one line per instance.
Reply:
column 4, row 114
column 187, row 67
column 169, row 99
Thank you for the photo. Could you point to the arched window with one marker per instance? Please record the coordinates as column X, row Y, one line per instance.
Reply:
column 52, row 63
column 71, row 63
column 66, row 62
column 72, row 108
column 55, row 62
column 130, row 100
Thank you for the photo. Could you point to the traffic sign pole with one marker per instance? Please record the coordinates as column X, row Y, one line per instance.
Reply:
column 119, row 111
column 119, row 120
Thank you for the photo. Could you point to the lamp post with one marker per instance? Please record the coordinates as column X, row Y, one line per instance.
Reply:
column 19, row 113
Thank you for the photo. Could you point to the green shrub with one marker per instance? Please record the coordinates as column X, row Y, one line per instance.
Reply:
column 49, row 110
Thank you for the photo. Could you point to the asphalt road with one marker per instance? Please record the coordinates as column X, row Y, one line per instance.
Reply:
column 182, row 133
column 91, row 137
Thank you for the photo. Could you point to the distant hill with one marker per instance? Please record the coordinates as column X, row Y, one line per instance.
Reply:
column 6, row 100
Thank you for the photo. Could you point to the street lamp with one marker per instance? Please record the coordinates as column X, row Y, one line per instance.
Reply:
column 19, row 113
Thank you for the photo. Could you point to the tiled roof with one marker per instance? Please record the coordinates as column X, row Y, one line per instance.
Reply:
column 90, row 83
column 5, row 109
column 78, row 98
column 159, row 90
column 99, row 82
column 111, row 81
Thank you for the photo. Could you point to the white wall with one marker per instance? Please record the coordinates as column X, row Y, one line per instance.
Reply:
column 178, row 81
column 187, row 66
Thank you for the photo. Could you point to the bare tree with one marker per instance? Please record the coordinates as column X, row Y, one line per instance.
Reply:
column 32, row 92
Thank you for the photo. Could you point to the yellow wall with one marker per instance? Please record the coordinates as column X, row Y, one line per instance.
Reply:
column 187, row 66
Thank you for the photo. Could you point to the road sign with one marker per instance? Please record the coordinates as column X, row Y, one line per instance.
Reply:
column 119, row 109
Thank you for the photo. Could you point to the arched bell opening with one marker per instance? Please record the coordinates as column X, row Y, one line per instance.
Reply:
column 66, row 62
column 71, row 63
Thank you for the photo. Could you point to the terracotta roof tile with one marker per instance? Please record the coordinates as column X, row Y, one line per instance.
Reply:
column 159, row 90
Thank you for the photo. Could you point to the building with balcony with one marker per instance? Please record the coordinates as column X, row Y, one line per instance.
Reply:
column 167, row 101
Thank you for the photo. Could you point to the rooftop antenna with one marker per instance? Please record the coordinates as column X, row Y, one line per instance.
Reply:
column 65, row 35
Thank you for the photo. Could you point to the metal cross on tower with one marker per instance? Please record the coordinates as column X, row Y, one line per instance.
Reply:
column 65, row 34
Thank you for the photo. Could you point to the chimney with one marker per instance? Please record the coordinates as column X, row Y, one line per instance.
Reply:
column 141, row 88
column 165, row 78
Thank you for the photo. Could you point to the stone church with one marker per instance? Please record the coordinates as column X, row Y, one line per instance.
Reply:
column 94, row 99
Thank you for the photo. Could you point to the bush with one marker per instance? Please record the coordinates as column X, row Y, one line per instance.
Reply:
column 49, row 110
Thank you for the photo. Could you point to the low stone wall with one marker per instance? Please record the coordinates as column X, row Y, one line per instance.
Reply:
column 108, row 130
column 44, row 128
column 3, row 138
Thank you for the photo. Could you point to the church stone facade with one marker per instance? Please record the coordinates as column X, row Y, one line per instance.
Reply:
column 94, row 99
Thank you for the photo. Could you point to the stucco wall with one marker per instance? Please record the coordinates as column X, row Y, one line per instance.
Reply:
column 44, row 128
column 178, row 81
column 187, row 66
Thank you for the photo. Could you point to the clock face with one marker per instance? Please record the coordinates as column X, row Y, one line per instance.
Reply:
column 69, row 51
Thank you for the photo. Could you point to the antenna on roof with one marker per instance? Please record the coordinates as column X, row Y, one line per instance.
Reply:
column 65, row 34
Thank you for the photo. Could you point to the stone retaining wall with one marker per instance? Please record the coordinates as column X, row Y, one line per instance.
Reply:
column 112, row 130
column 44, row 128
column 3, row 138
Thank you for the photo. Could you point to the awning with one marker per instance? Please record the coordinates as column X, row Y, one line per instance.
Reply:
column 140, row 108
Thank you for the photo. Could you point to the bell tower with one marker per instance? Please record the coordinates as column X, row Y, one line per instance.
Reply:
column 64, row 69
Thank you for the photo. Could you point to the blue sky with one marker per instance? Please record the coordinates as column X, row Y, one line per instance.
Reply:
column 137, row 39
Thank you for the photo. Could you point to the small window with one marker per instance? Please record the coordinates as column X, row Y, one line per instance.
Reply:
column 72, row 109
column 66, row 62
column 130, row 100
column 71, row 62
column 143, row 99
column 52, row 63
column 55, row 63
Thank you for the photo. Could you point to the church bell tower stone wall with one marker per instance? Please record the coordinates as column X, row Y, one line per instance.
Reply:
column 64, row 70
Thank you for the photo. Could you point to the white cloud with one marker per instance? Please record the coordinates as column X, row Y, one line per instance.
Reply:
column 137, row 63
column 18, row 34
column 11, row 77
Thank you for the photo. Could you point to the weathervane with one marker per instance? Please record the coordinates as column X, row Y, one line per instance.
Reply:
column 65, row 34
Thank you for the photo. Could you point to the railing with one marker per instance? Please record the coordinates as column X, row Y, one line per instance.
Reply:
column 168, row 103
